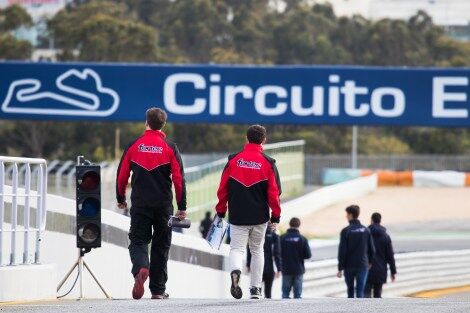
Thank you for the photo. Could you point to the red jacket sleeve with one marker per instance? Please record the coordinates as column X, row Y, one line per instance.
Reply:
column 122, row 176
column 222, row 193
column 274, row 191
column 177, row 175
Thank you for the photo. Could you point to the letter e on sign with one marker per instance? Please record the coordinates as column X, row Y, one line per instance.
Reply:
column 440, row 97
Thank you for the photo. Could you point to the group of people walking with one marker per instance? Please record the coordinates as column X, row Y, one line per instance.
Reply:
column 363, row 255
column 249, row 192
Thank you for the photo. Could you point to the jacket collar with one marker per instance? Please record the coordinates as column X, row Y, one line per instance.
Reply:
column 355, row 221
column 155, row 133
column 253, row 147
column 293, row 230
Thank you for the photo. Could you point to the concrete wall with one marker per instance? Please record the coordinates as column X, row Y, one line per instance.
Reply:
column 27, row 282
column 195, row 270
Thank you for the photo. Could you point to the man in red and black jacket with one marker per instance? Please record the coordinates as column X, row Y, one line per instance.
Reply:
column 250, row 185
column 155, row 163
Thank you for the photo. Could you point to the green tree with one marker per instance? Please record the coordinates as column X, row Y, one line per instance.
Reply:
column 11, row 18
column 103, row 31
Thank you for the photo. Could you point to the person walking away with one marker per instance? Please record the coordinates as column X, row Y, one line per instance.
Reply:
column 295, row 250
column 250, row 185
column 205, row 225
column 384, row 256
column 355, row 253
column 272, row 252
column 155, row 163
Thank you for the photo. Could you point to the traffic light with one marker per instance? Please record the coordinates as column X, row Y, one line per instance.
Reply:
column 88, row 205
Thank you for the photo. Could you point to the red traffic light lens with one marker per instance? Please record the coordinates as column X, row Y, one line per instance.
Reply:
column 90, row 181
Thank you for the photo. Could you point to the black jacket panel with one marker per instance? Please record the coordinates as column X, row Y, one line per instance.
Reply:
column 356, row 247
column 295, row 250
column 383, row 255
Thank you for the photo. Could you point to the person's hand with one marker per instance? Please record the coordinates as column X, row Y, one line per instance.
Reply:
column 273, row 226
column 278, row 274
column 248, row 269
column 122, row 205
column 339, row 274
column 181, row 215
column 370, row 265
column 393, row 278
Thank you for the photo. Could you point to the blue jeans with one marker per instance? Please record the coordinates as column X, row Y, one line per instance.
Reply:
column 360, row 276
column 292, row 281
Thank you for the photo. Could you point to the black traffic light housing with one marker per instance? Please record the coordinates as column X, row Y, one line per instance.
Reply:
column 88, row 204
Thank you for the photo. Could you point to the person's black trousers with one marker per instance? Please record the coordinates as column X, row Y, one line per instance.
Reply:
column 268, row 279
column 373, row 289
column 151, row 225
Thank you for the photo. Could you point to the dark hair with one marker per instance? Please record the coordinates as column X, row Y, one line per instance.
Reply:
column 376, row 218
column 354, row 210
column 208, row 214
column 156, row 118
column 256, row 134
column 294, row 222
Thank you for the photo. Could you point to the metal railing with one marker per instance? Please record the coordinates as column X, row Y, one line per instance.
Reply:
column 203, row 180
column 417, row 272
column 22, row 181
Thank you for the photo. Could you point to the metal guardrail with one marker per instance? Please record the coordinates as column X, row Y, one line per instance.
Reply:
column 24, row 181
column 417, row 271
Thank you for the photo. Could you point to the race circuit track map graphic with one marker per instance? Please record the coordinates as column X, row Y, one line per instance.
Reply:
column 24, row 94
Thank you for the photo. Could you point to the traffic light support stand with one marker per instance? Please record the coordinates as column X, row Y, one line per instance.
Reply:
column 81, row 263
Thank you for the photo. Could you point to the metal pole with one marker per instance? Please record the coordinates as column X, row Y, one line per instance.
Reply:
column 80, row 272
column 62, row 282
column 96, row 280
column 26, row 213
column 354, row 147
column 39, row 208
column 117, row 143
column 14, row 214
column 2, row 208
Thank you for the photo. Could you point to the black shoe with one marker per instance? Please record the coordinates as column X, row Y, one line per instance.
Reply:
column 160, row 297
column 255, row 293
column 235, row 289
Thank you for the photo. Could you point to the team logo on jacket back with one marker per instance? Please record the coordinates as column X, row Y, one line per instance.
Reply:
column 249, row 164
column 150, row 149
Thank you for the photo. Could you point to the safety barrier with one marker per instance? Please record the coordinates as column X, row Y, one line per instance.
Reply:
column 332, row 176
column 21, row 182
column 417, row 271
column 314, row 164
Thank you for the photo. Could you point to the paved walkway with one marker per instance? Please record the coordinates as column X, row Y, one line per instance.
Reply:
column 326, row 305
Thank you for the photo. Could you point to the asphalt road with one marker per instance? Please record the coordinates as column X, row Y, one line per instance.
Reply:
column 398, row 305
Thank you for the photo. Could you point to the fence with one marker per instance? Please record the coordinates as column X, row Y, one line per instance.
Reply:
column 314, row 164
column 203, row 180
column 22, row 174
column 417, row 271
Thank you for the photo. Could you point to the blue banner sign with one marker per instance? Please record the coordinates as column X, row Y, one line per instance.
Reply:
column 344, row 95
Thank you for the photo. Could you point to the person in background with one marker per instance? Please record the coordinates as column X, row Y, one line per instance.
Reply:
column 383, row 255
column 155, row 163
column 272, row 251
column 251, row 187
column 355, row 253
column 294, row 250
column 205, row 225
